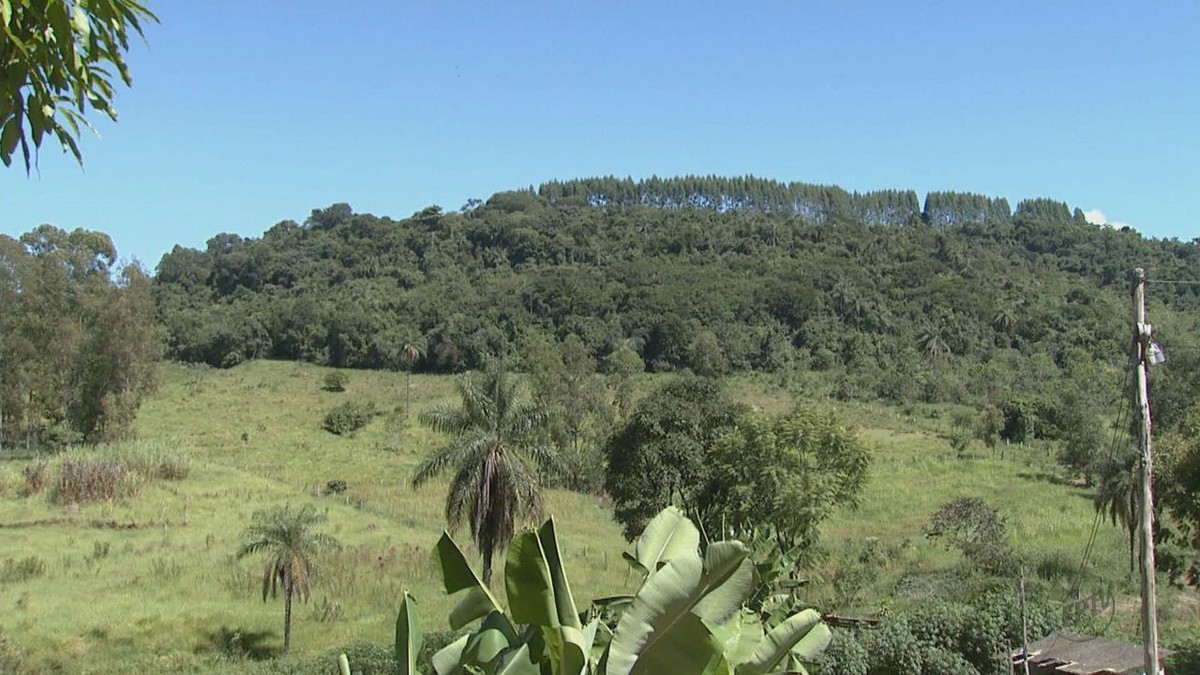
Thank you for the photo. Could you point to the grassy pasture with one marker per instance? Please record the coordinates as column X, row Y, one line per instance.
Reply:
column 148, row 581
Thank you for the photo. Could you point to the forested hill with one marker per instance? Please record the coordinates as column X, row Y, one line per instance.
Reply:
column 942, row 301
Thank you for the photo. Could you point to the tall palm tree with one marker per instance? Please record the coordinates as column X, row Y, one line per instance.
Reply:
column 495, row 456
column 409, row 354
column 291, row 545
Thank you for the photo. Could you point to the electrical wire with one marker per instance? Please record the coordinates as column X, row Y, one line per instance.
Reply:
column 1112, row 451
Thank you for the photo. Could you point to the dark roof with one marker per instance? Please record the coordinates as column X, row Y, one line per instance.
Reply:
column 1085, row 655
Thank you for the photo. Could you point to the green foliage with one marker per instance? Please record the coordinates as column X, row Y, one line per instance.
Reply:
column 565, row 382
column 662, row 455
column 942, row 637
column 349, row 416
column 336, row 380
column 976, row 530
column 980, row 307
column 78, row 342
column 290, row 543
column 786, row 474
column 1177, row 484
column 59, row 57
column 705, row 355
column 495, row 456
column 687, row 617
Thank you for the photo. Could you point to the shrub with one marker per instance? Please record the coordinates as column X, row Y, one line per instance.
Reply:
column 37, row 478
column 976, row 529
column 86, row 479
column 336, row 381
column 349, row 417
column 29, row 567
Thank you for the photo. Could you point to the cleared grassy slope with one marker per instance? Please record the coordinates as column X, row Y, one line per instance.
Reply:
column 160, row 590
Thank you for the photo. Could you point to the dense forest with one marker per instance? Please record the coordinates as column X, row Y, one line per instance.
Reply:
column 962, row 300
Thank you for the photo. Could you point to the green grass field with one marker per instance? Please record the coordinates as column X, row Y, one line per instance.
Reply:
column 149, row 581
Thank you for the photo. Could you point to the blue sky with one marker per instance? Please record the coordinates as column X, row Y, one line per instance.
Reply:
column 243, row 113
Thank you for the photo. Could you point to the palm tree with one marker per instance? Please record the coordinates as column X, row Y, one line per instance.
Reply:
column 291, row 545
column 1117, row 493
column 409, row 354
column 495, row 457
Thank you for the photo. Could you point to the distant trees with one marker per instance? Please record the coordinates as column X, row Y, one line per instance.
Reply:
column 60, row 57
column 495, row 457
column 291, row 544
column 78, row 341
column 965, row 302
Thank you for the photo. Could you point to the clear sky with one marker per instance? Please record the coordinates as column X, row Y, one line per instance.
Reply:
column 244, row 113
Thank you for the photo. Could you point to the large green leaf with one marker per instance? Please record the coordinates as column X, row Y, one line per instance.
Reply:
column 802, row 634
column 730, row 562
column 457, row 576
column 660, row 632
column 564, row 647
column 739, row 635
column 482, row 650
column 538, row 591
column 564, row 601
column 669, row 534
column 408, row 636
column 446, row 660
column 518, row 662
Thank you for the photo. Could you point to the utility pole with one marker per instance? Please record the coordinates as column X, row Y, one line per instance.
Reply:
column 1145, row 474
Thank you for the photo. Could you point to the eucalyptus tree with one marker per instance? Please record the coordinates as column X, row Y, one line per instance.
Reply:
column 291, row 545
column 495, row 455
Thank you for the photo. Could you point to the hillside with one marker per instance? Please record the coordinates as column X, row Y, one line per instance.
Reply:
column 158, row 587
column 960, row 300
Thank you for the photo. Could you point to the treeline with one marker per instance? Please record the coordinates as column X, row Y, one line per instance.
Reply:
column 818, row 203
column 78, row 339
column 964, row 302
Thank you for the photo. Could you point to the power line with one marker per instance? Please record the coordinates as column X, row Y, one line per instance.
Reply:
column 1122, row 410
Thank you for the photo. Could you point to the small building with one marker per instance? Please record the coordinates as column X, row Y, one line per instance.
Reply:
column 1073, row 654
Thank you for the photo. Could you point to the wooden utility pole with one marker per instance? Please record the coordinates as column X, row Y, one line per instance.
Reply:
column 1145, row 475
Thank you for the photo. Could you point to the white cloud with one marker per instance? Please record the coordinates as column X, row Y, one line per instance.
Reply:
column 1097, row 217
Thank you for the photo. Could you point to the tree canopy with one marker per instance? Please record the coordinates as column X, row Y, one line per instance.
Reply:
column 60, row 58
column 963, row 300
column 78, row 340
column 661, row 456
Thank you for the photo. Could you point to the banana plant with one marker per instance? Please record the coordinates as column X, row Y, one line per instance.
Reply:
column 689, row 616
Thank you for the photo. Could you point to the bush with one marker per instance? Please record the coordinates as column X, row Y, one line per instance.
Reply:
column 29, row 567
column 86, row 480
column 336, row 381
column 37, row 478
column 349, row 417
